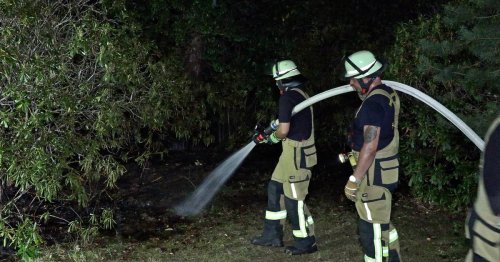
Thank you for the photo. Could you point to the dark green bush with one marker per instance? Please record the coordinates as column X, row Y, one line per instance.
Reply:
column 82, row 95
column 457, row 66
column 87, row 89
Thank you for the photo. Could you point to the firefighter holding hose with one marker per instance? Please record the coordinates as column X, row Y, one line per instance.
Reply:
column 288, row 187
column 374, row 141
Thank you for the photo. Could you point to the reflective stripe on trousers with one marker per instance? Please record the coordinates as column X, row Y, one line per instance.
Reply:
column 302, row 231
column 275, row 215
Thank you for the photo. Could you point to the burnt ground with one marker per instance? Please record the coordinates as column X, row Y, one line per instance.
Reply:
column 147, row 229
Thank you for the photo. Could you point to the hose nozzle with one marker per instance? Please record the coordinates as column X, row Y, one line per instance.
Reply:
column 343, row 157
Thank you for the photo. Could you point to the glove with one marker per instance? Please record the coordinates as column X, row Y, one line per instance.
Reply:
column 273, row 139
column 267, row 135
column 351, row 188
column 273, row 126
column 261, row 138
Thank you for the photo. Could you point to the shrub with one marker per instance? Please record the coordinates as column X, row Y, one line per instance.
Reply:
column 456, row 67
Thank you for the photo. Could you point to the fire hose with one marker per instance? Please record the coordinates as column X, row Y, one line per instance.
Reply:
column 211, row 185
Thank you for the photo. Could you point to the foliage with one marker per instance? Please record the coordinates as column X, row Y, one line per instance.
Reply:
column 83, row 93
column 228, row 49
column 25, row 238
column 89, row 230
column 457, row 64
column 90, row 86
column 81, row 96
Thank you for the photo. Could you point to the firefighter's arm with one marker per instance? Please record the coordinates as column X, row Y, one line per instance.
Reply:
column 366, row 157
column 282, row 131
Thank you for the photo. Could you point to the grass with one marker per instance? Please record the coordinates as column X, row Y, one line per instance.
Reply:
column 222, row 234
column 223, row 231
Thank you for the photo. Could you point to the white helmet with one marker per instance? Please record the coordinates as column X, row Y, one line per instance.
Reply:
column 285, row 69
column 362, row 64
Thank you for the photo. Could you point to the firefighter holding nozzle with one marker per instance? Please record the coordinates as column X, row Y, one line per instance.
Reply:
column 374, row 141
column 288, row 187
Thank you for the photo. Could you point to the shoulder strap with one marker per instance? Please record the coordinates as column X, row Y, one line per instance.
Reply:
column 310, row 140
column 393, row 101
column 306, row 97
column 301, row 92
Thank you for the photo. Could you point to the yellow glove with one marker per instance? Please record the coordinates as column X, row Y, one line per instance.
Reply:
column 351, row 188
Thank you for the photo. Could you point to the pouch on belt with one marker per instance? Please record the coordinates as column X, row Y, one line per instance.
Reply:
column 374, row 204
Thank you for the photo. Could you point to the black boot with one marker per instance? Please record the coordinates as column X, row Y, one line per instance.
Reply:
column 302, row 246
column 271, row 236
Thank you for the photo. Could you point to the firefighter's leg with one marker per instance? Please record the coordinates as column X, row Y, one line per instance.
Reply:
column 304, row 242
column 484, row 237
column 392, row 237
column 272, row 234
column 375, row 240
column 309, row 221
column 377, row 236
column 370, row 236
column 295, row 191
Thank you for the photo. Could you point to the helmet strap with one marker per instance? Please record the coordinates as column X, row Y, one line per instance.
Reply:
column 365, row 87
column 281, row 87
column 360, row 72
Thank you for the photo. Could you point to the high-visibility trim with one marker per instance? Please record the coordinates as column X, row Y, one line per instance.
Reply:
column 377, row 242
column 310, row 220
column 368, row 213
column 385, row 251
column 275, row 215
column 294, row 192
column 302, row 218
column 393, row 235
column 299, row 233
column 369, row 259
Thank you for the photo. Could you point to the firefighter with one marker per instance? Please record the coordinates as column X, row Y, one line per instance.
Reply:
column 374, row 140
column 288, row 187
column 483, row 221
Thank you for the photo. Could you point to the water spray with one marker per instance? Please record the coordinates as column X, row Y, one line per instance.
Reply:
column 211, row 185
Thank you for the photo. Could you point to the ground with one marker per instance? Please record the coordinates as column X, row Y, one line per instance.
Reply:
column 148, row 230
